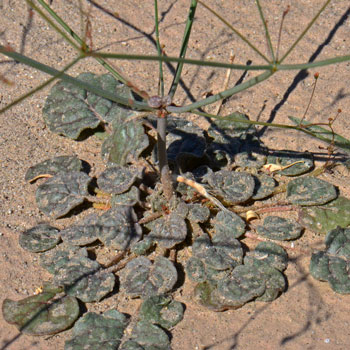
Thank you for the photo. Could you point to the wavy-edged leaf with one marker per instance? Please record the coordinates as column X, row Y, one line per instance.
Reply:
column 94, row 331
column 310, row 191
column 54, row 259
column 40, row 238
column 243, row 285
column 327, row 217
column 264, row 186
column 118, row 179
column 333, row 264
column 147, row 336
column 41, row 314
column 169, row 230
column 83, row 278
column 119, row 228
column 66, row 111
column 274, row 280
column 280, row 229
column 198, row 213
column 141, row 278
column 161, row 310
column 212, row 261
column 82, row 233
column 233, row 187
column 53, row 166
column 118, row 146
column 229, row 224
column 270, row 253
column 58, row 195
column 128, row 198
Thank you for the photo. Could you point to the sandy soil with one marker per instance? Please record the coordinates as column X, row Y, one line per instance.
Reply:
column 309, row 315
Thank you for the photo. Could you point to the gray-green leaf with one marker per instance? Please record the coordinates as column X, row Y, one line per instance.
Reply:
column 53, row 166
column 310, row 191
column 278, row 228
column 141, row 278
column 40, row 314
column 39, row 238
column 58, row 195
column 94, row 331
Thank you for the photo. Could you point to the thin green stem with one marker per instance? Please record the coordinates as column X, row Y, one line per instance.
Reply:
column 326, row 62
column 274, row 67
column 181, row 60
column 267, row 34
column 241, row 36
column 159, row 49
column 184, row 46
column 41, row 86
column 274, row 125
column 304, row 31
column 84, row 85
column 221, row 95
column 81, row 42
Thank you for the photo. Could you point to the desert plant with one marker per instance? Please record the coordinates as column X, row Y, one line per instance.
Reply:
column 146, row 223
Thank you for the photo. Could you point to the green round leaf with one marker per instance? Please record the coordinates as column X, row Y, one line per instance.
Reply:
column 94, row 331
column 147, row 336
column 58, row 195
column 198, row 213
column 39, row 238
column 224, row 130
column 310, row 191
column 264, row 186
column 53, row 166
column 233, row 187
column 333, row 264
column 92, row 287
column 129, row 198
column 118, row 179
column 161, row 310
column 82, row 233
column 142, row 247
column 203, row 294
column 118, row 228
column 244, row 285
column 274, row 280
column 54, row 259
column 270, row 253
column 82, row 278
column 319, row 266
column 66, row 112
column 280, row 229
column 40, row 314
column 212, row 261
column 229, row 224
column 169, row 230
column 251, row 155
column 118, row 146
column 141, row 278
column 195, row 270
